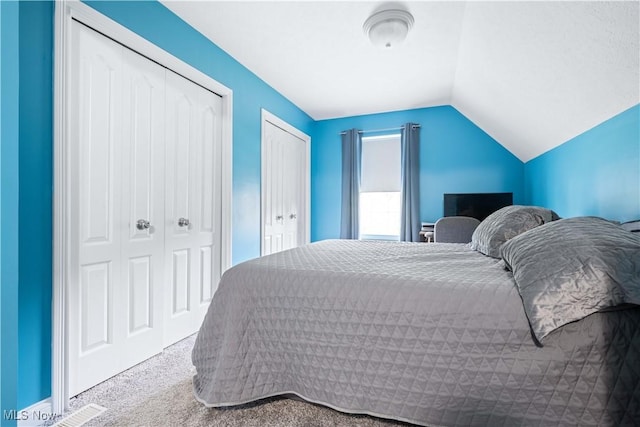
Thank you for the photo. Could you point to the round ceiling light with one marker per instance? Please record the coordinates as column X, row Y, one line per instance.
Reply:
column 388, row 28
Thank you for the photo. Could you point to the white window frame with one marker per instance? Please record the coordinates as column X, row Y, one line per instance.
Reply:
column 388, row 136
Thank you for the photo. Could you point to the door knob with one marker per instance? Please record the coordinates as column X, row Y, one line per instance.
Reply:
column 279, row 218
column 143, row 224
column 183, row 222
column 293, row 216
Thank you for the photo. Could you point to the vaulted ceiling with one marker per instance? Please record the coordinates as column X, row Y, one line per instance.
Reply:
column 531, row 74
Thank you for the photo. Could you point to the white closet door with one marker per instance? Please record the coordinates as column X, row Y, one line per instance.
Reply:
column 193, row 188
column 283, row 210
column 143, row 206
column 113, row 320
column 293, row 189
column 273, row 204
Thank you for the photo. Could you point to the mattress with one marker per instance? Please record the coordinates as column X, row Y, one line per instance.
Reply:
column 432, row 334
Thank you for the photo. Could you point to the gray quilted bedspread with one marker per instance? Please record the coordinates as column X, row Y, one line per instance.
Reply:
column 432, row 334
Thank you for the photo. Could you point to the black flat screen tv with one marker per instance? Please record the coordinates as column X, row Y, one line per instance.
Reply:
column 476, row 205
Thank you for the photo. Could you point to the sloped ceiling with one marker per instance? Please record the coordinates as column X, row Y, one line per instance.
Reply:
column 531, row 74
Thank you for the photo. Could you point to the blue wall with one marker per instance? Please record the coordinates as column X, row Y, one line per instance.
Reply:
column 9, row 79
column 455, row 157
column 596, row 173
column 36, row 208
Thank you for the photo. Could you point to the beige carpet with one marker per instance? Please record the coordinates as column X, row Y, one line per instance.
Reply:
column 177, row 407
column 158, row 392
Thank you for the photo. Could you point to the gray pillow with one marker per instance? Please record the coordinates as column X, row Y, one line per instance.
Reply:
column 505, row 224
column 568, row 269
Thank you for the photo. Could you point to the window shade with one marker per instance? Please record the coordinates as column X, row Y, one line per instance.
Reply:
column 380, row 164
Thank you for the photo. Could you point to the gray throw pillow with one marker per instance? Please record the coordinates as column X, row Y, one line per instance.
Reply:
column 505, row 224
column 571, row 268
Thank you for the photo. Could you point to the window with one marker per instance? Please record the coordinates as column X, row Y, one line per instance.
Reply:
column 380, row 185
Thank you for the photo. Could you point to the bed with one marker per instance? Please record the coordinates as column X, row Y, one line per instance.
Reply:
column 437, row 334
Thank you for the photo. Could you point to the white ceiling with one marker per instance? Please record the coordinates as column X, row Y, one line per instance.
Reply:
column 531, row 74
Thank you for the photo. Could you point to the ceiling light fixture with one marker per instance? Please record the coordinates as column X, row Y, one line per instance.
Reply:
column 388, row 28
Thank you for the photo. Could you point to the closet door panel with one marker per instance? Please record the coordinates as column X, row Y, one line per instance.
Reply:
column 140, row 295
column 207, row 272
column 268, row 213
column 208, row 193
column 273, row 210
column 180, row 164
column 193, row 188
column 94, row 168
column 96, row 323
column 99, row 128
column 180, row 133
column 143, row 206
column 292, row 188
column 180, row 289
column 116, row 165
column 207, row 175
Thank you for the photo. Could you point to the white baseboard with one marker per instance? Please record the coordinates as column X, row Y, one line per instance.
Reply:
column 37, row 414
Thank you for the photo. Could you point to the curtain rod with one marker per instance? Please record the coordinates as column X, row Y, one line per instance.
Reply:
column 382, row 130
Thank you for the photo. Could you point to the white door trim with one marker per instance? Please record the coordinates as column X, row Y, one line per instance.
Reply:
column 266, row 116
column 65, row 12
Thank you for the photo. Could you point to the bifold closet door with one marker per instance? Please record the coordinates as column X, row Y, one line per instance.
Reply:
column 116, row 162
column 283, row 210
column 193, row 190
column 294, row 190
column 272, row 208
